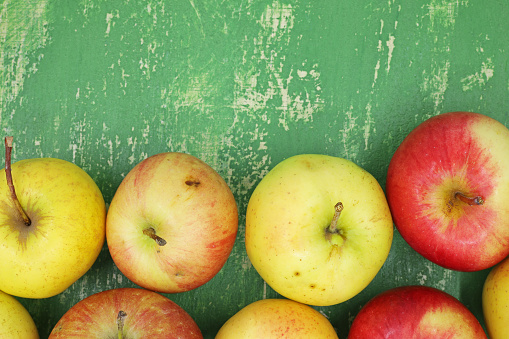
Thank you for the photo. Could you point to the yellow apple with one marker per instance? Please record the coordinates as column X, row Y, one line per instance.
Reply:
column 65, row 232
column 318, row 229
column 277, row 318
column 15, row 321
column 495, row 301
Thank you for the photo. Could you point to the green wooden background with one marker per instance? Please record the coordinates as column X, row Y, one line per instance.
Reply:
column 244, row 84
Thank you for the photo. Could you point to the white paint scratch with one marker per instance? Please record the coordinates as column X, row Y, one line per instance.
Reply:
column 23, row 31
column 436, row 82
column 255, row 92
column 109, row 17
column 349, row 125
column 442, row 16
column 479, row 78
column 390, row 46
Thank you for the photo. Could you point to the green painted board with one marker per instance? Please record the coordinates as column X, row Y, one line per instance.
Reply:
column 244, row 84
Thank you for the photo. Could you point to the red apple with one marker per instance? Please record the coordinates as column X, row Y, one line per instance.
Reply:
column 447, row 188
column 416, row 312
column 126, row 313
column 172, row 223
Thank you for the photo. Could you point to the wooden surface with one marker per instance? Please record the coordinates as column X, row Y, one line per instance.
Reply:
column 244, row 84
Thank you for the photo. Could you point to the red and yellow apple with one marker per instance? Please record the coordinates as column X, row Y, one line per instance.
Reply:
column 447, row 187
column 277, row 318
column 318, row 229
column 495, row 301
column 126, row 313
column 172, row 223
column 417, row 312
column 52, row 225
column 15, row 321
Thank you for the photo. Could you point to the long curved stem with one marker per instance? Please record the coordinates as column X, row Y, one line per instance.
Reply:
column 8, row 175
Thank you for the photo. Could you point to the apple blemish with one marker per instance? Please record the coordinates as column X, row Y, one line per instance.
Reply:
column 193, row 182
column 8, row 175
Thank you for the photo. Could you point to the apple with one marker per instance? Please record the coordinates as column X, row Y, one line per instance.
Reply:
column 277, row 318
column 15, row 321
column 447, row 187
column 127, row 313
column 415, row 312
column 495, row 301
column 172, row 223
column 52, row 225
column 318, row 229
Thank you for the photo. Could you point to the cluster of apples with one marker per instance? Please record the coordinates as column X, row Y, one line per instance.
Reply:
column 318, row 230
column 51, row 206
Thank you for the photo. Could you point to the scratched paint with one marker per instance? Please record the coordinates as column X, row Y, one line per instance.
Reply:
column 23, row 32
column 242, row 85
column 441, row 14
column 481, row 77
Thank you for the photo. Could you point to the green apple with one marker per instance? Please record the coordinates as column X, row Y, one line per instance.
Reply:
column 277, row 318
column 172, row 223
column 15, row 321
column 318, row 229
column 52, row 225
column 495, row 301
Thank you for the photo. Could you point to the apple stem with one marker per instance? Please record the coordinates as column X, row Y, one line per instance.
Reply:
column 120, row 323
column 8, row 175
column 478, row 200
column 333, row 228
column 152, row 233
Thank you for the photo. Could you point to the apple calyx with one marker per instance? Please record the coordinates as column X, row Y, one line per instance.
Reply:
column 151, row 232
column 333, row 227
column 120, row 323
column 478, row 200
column 8, row 175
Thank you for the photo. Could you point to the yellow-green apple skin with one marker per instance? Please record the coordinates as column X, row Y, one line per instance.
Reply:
column 277, row 318
column 15, row 321
column 67, row 232
column 442, row 161
column 495, row 301
column 416, row 312
column 287, row 222
column 182, row 200
column 145, row 314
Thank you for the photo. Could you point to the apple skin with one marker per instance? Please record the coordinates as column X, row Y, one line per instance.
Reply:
column 67, row 233
column 15, row 321
column 186, row 203
column 277, row 318
column 453, row 152
column 148, row 315
column 417, row 312
column 495, row 301
column 287, row 219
